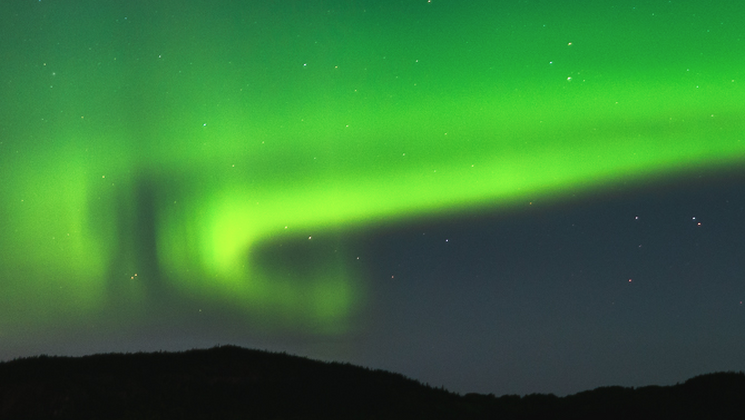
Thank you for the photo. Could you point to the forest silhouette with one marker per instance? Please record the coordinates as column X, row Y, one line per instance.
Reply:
column 229, row 382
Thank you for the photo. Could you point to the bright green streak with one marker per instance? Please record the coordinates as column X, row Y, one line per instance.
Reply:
column 182, row 143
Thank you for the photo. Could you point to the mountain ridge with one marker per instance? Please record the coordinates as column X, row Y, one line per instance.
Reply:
column 228, row 382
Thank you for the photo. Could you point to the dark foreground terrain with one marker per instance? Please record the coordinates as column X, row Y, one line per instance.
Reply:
column 234, row 383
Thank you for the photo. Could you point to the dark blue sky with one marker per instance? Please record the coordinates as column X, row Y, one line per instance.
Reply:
column 633, row 285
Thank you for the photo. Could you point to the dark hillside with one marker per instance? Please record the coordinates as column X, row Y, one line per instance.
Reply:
column 230, row 383
column 222, row 383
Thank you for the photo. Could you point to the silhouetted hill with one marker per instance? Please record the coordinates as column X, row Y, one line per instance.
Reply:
column 231, row 382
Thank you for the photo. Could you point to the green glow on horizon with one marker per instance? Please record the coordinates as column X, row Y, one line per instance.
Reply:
column 186, row 171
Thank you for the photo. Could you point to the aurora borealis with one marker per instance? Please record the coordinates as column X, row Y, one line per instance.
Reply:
column 160, row 158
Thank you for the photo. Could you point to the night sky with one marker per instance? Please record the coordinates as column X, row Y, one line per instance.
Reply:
column 492, row 197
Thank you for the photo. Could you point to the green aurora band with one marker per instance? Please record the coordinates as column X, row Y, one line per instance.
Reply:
column 185, row 145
